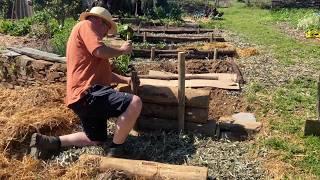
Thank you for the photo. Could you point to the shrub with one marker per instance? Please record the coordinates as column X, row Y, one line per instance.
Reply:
column 43, row 26
column 15, row 28
column 60, row 38
column 59, row 9
column 121, row 63
column 310, row 22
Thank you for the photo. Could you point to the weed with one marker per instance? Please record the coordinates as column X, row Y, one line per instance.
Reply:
column 122, row 63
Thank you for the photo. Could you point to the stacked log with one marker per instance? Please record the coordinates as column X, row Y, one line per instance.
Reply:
column 153, row 38
column 190, row 54
column 162, row 102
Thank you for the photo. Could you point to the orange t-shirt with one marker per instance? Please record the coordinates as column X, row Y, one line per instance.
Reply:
column 84, row 69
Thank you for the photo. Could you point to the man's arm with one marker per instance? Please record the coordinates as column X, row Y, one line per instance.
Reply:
column 116, row 78
column 106, row 52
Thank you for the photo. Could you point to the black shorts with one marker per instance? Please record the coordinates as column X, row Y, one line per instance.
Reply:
column 99, row 104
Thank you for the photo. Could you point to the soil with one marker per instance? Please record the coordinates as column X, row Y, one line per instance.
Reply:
column 7, row 40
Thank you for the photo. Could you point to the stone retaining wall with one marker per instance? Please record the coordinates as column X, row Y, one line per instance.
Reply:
column 25, row 71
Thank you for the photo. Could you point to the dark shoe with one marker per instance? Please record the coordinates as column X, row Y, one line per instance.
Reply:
column 43, row 147
column 113, row 151
column 116, row 152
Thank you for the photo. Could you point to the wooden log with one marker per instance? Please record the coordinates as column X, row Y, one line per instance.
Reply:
column 197, row 115
column 149, row 123
column 190, row 53
column 221, row 76
column 173, row 30
column 148, row 169
column 175, row 77
column 176, row 39
column 153, row 53
column 36, row 54
column 193, row 83
column 196, row 98
column 181, row 89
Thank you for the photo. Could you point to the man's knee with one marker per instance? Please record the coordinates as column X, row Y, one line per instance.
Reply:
column 136, row 103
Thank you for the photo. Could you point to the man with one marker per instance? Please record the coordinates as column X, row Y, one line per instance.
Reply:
column 89, row 93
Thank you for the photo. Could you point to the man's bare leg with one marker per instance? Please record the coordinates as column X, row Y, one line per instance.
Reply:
column 78, row 139
column 127, row 120
column 124, row 124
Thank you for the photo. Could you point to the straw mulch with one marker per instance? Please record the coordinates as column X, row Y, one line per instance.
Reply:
column 29, row 110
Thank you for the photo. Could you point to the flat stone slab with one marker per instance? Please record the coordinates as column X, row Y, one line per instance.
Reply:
column 243, row 120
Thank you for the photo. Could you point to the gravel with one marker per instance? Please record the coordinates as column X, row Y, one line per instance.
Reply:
column 224, row 159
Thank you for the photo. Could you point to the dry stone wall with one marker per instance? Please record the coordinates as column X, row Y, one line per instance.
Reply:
column 23, row 71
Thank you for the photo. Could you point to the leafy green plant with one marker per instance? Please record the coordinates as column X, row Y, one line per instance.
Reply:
column 15, row 28
column 122, row 63
column 59, row 9
column 60, row 38
column 310, row 22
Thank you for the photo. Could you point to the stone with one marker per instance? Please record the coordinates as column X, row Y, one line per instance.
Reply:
column 58, row 67
column 40, row 64
column 247, row 117
column 23, row 62
column 52, row 76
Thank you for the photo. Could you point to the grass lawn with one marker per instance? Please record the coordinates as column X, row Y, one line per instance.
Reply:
column 285, row 108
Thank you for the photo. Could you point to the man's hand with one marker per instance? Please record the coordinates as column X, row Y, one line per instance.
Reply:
column 126, row 47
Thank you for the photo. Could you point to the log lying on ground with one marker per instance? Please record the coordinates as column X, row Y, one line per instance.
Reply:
column 37, row 54
column 192, row 53
column 197, row 98
column 193, row 83
column 197, row 115
column 175, row 77
column 149, row 169
column 149, row 123
column 175, row 39
column 173, row 30
column 221, row 76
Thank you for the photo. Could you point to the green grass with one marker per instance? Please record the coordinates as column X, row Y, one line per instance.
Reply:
column 258, row 26
column 285, row 108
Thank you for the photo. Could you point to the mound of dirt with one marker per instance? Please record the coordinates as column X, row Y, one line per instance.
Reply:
column 247, row 52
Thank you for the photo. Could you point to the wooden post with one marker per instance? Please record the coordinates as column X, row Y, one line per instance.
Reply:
column 153, row 53
column 215, row 54
column 318, row 100
column 144, row 36
column 181, row 90
column 211, row 38
column 198, row 30
column 139, row 28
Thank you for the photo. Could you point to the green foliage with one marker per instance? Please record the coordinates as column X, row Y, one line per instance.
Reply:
column 259, row 3
column 5, row 8
column 122, row 63
column 291, row 15
column 172, row 12
column 43, row 26
column 59, row 9
column 310, row 22
column 15, row 28
column 60, row 38
column 124, row 30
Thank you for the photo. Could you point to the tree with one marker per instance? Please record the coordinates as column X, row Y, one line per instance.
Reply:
column 59, row 9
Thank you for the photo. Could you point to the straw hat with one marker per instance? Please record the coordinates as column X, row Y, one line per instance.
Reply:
column 103, row 14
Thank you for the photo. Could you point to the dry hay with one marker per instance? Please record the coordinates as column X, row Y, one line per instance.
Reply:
column 36, row 109
column 247, row 52
column 207, row 46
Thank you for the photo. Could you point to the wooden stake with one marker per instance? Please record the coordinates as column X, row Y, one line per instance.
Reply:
column 181, row 90
column 318, row 100
column 144, row 36
column 139, row 28
column 215, row 54
column 212, row 38
column 153, row 53
column 198, row 30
